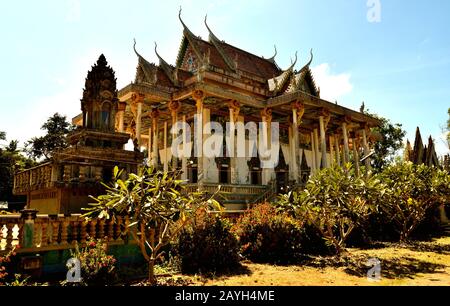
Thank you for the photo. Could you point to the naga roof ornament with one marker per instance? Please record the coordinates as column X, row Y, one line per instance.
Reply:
column 168, row 69
column 217, row 43
column 272, row 59
column 148, row 69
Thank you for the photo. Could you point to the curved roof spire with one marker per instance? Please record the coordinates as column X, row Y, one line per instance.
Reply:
column 310, row 61
column 272, row 59
column 186, row 29
column 147, row 68
column 166, row 67
column 293, row 62
column 218, row 45
column 134, row 48
column 211, row 34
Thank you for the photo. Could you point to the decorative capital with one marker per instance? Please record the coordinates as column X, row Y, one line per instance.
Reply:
column 347, row 119
column 235, row 108
column 300, row 108
column 266, row 115
column 174, row 106
column 122, row 106
column 137, row 98
column 198, row 95
column 154, row 114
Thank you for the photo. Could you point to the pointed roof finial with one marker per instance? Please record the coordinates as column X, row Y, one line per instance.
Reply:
column 312, row 57
column 102, row 60
column 273, row 57
column 211, row 34
column 293, row 62
column 186, row 29
column 308, row 63
column 156, row 50
column 134, row 48
column 168, row 69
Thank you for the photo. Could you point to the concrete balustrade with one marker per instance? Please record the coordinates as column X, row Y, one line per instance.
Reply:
column 34, row 232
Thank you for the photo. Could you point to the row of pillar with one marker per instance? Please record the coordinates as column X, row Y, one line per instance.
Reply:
column 318, row 137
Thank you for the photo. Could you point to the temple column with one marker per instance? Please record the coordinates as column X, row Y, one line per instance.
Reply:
column 323, row 142
column 166, row 155
column 298, row 110
column 336, row 145
column 199, row 96
column 234, row 109
column 346, row 148
column 332, row 157
column 149, row 147
column 184, row 175
column 155, row 115
column 313, row 154
column 292, row 172
column 355, row 153
column 174, row 107
column 138, row 100
column 266, row 115
column 366, row 149
column 121, row 114
column 316, row 148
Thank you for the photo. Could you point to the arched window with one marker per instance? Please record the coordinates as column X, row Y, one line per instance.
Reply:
column 105, row 115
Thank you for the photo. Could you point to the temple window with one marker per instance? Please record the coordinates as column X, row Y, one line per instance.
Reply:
column 106, row 110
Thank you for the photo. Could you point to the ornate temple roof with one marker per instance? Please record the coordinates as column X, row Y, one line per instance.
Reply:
column 227, row 72
column 218, row 53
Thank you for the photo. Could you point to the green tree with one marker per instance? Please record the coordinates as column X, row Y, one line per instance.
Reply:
column 57, row 127
column 391, row 142
column 413, row 190
column 11, row 161
column 158, row 207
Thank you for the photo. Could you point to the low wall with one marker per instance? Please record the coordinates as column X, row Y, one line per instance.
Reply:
column 46, row 241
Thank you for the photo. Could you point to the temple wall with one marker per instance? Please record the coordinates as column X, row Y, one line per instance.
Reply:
column 46, row 202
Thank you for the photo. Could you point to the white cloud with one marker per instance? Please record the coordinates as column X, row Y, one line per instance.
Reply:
column 332, row 86
column 74, row 10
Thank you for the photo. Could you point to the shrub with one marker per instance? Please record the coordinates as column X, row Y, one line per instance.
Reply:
column 97, row 268
column 415, row 192
column 268, row 235
column 208, row 246
column 335, row 201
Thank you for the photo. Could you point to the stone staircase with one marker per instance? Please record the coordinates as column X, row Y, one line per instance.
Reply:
column 446, row 228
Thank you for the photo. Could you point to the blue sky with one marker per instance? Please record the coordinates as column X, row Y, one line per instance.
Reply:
column 399, row 66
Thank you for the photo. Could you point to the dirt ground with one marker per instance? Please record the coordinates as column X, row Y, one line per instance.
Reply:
column 422, row 264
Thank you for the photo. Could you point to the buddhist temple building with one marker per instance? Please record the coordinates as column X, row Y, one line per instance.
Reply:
column 210, row 81
column 63, row 185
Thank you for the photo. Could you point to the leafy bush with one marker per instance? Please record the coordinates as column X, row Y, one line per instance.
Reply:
column 415, row 191
column 268, row 235
column 335, row 201
column 208, row 246
column 97, row 268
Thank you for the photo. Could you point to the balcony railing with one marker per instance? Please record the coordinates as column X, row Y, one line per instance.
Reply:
column 33, row 179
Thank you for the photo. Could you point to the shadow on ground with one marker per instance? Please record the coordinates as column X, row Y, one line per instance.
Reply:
column 357, row 265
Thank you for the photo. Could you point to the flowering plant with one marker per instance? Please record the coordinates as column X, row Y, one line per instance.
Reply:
column 5, row 259
column 97, row 268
